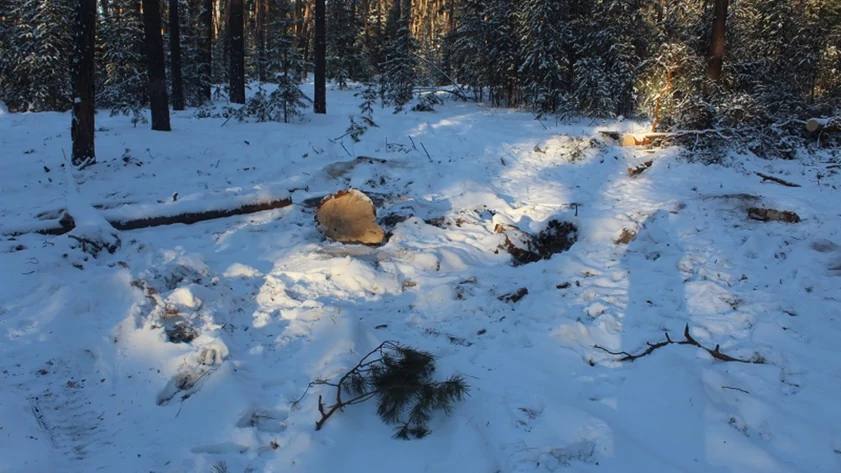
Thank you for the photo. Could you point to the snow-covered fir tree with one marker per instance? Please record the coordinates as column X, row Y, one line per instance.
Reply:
column 125, row 87
column 344, row 58
column 544, row 66
column 398, row 78
column 283, row 61
column 39, row 39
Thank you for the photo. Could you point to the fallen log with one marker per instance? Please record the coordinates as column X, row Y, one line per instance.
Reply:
column 189, row 218
column 768, row 215
column 167, row 216
column 814, row 125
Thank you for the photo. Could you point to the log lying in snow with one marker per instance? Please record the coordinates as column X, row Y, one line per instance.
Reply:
column 198, row 216
column 814, row 125
column 133, row 217
column 656, row 138
column 768, row 215
column 630, row 139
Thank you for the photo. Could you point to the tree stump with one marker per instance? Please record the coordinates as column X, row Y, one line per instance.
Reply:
column 349, row 216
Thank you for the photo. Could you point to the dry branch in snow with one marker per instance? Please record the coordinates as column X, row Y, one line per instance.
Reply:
column 687, row 340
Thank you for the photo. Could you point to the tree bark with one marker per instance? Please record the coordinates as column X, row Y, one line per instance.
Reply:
column 237, row 61
column 320, row 102
column 82, row 125
column 175, row 56
column 260, row 7
column 206, row 49
column 717, row 40
column 155, row 65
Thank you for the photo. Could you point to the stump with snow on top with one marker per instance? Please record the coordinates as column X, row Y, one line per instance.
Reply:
column 349, row 216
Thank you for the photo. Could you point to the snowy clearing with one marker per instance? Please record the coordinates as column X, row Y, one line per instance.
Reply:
column 91, row 381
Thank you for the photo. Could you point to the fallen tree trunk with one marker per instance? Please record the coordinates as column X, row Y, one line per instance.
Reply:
column 66, row 223
column 188, row 218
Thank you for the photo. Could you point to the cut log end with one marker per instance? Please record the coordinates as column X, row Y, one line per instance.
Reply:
column 349, row 216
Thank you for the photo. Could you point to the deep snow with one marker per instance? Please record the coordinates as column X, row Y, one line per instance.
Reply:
column 90, row 382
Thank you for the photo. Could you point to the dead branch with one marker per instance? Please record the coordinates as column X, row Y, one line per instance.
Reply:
column 688, row 339
column 766, row 177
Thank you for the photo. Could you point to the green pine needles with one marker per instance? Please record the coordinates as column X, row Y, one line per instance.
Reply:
column 400, row 378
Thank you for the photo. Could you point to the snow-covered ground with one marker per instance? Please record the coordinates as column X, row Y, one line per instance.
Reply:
column 90, row 382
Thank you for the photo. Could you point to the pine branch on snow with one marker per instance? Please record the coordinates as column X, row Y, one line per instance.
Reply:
column 400, row 378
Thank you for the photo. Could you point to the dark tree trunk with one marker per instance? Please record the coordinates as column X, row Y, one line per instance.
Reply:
column 205, row 48
column 82, row 125
column 320, row 102
column 260, row 17
column 155, row 64
column 175, row 56
column 717, row 41
column 237, row 61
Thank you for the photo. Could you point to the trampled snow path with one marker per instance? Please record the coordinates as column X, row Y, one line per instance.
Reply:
column 90, row 382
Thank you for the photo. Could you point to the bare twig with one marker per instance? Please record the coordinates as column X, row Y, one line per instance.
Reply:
column 688, row 339
column 426, row 151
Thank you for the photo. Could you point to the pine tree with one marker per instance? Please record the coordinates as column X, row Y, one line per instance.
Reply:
column 544, row 59
column 504, row 52
column 398, row 78
column 469, row 53
column 204, row 49
column 40, row 43
column 84, row 110
column 124, row 90
column 286, row 101
column 177, row 82
column 236, row 41
column 607, row 49
column 156, row 70
column 6, row 60
column 320, row 72
column 343, row 55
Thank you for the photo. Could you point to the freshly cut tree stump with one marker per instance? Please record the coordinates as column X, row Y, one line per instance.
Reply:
column 349, row 216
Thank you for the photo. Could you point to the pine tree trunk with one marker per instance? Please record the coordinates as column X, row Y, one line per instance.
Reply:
column 237, row 59
column 175, row 56
column 82, row 125
column 320, row 103
column 155, row 65
column 717, row 41
column 205, row 49
column 260, row 33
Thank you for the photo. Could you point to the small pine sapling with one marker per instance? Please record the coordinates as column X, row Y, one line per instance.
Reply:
column 366, row 113
column 400, row 378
